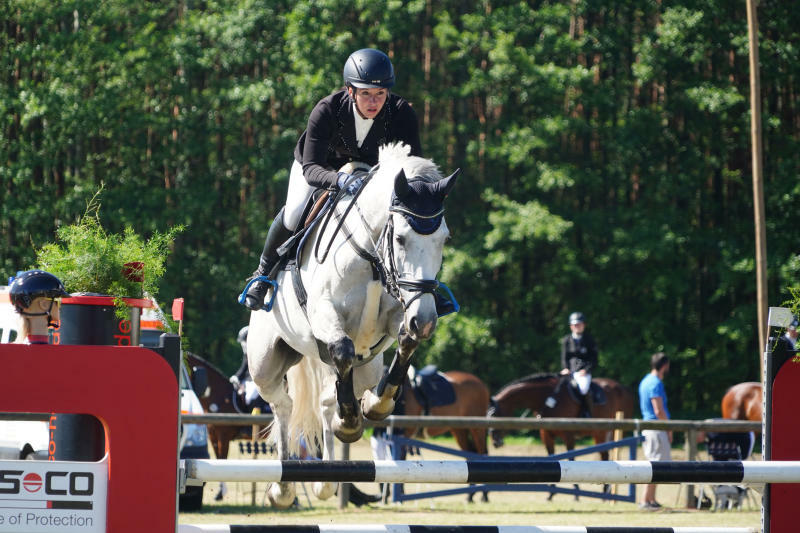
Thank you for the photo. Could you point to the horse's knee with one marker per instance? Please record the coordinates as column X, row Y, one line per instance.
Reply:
column 342, row 353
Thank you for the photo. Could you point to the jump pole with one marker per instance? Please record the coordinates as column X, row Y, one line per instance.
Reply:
column 514, row 471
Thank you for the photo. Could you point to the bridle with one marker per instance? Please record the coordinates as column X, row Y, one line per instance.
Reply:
column 381, row 258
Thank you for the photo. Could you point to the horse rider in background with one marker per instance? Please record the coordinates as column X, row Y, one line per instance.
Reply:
column 241, row 380
column 344, row 127
column 578, row 359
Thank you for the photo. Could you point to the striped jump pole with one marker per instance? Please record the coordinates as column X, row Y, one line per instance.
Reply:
column 390, row 528
column 512, row 471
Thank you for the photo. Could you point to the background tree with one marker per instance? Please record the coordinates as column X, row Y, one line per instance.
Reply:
column 604, row 147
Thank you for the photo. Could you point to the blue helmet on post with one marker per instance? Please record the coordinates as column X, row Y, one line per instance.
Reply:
column 32, row 284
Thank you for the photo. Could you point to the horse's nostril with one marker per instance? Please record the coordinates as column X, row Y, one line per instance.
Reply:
column 412, row 324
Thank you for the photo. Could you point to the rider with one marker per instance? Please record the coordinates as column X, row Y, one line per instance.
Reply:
column 346, row 126
column 36, row 296
column 578, row 358
column 242, row 380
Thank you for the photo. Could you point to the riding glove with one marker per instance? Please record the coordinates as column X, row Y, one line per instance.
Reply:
column 349, row 183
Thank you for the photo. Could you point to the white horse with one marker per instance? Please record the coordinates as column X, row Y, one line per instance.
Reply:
column 376, row 285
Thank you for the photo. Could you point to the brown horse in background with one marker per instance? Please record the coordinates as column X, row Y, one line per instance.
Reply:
column 472, row 399
column 743, row 401
column 531, row 392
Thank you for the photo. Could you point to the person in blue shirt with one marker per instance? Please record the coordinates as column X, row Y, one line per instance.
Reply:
column 653, row 403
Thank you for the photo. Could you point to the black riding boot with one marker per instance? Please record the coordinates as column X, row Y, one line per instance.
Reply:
column 277, row 235
column 586, row 405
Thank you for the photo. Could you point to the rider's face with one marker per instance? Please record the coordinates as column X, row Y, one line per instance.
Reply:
column 577, row 328
column 370, row 101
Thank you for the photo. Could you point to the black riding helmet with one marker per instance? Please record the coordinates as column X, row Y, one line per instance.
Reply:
column 33, row 284
column 368, row 69
column 576, row 318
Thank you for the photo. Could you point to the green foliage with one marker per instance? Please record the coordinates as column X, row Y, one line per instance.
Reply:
column 605, row 148
column 90, row 260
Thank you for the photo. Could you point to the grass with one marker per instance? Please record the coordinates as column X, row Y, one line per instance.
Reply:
column 504, row 508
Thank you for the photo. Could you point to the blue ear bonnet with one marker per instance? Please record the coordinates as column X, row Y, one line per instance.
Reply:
column 422, row 208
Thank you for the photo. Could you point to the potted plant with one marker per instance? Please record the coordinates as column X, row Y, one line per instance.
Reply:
column 111, row 278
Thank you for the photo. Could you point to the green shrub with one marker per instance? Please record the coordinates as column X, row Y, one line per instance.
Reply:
column 89, row 260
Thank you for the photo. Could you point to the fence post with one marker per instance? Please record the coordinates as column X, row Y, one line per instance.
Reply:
column 344, row 488
column 254, row 440
column 691, row 455
column 619, row 415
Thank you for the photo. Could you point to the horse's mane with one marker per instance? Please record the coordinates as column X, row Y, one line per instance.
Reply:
column 531, row 378
column 205, row 362
column 414, row 166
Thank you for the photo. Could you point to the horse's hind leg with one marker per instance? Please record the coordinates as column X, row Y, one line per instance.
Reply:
column 325, row 489
column 379, row 405
column 268, row 371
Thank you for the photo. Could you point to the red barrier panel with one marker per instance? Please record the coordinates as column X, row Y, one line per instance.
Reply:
column 784, row 445
column 134, row 394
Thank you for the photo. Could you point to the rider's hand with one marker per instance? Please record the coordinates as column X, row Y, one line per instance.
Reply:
column 234, row 380
column 564, row 371
column 349, row 183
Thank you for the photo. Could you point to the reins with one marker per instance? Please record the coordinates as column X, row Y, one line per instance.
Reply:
column 387, row 274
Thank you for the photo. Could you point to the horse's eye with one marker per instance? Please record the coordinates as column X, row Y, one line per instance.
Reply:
column 401, row 241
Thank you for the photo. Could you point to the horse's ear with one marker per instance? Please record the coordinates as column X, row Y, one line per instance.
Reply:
column 401, row 187
column 443, row 187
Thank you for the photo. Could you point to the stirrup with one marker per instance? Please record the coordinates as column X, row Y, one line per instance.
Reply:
column 445, row 303
column 268, row 306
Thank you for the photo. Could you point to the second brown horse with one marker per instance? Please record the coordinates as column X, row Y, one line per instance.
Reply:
column 743, row 401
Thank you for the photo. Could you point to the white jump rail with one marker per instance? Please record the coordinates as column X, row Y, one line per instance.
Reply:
column 512, row 471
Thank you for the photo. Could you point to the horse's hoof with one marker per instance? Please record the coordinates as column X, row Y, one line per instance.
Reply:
column 374, row 409
column 348, row 435
column 281, row 497
column 324, row 490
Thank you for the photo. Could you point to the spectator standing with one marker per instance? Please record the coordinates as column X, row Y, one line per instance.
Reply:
column 653, row 403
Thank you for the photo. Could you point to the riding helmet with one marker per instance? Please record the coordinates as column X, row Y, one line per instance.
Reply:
column 576, row 318
column 33, row 284
column 368, row 69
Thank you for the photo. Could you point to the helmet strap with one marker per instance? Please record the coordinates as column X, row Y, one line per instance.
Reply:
column 48, row 313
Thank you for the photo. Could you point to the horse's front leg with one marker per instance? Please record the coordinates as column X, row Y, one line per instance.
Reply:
column 380, row 404
column 347, row 423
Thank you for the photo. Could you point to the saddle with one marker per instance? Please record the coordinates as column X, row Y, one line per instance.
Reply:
column 431, row 388
column 596, row 392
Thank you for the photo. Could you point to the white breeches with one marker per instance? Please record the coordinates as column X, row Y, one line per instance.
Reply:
column 250, row 391
column 584, row 381
column 297, row 196
column 381, row 449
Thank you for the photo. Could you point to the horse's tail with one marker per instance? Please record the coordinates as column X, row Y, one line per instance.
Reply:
column 305, row 381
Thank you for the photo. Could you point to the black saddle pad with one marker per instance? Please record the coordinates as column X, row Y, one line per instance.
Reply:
column 247, row 408
column 432, row 389
column 597, row 393
column 729, row 446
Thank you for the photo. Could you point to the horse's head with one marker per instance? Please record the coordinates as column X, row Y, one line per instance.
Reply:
column 496, row 409
column 418, row 232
